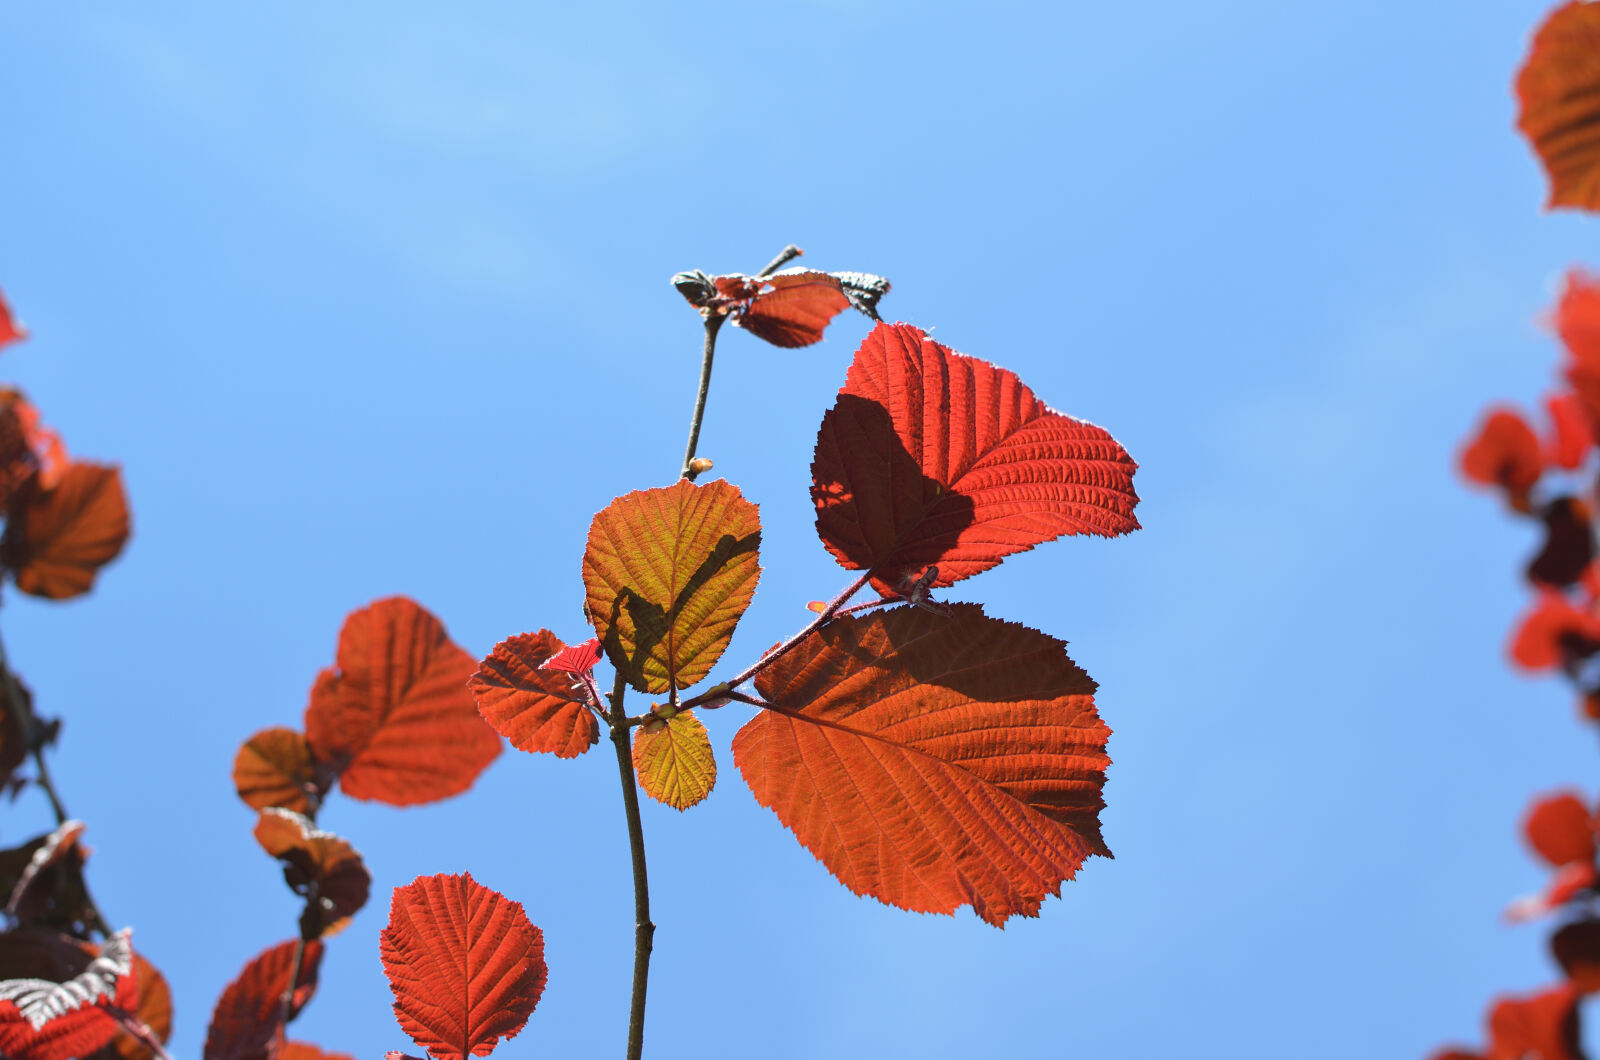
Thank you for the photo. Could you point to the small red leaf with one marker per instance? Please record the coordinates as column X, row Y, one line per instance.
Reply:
column 465, row 964
column 1561, row 829
column 1543, row 1026
column 931, row 458
column 11, row 330
column 1554, row 632
column 1571, row 435
column 1558, row 88
column 538, row 707
column 794, row 308
column 248, row 1019
column 933, row 762
column 1505, row 453
column 395, row 717
column 57, row 540
column 578, row 659
column 315, row 859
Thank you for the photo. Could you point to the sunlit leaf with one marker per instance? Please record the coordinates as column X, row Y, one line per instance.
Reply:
column 535, row 706
column 465, row 964
column 794, row 307
column 933, row 762
column 274, row 768
column 1571, row 436
column 11, row 329
column 1558, row 89
column 667, row 573
column 674, row 761
column 248, row 1019
column 52, row 989
column 1554, row 632
column 929, row 457
column 56, row 541
column 314, row 859
column 395, row 717
column 1543, row 1026
column 1504, row 452
column 1560, row 828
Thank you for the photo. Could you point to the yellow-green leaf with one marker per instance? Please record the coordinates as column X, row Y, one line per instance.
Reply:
column 674, row 762
column 666, row 575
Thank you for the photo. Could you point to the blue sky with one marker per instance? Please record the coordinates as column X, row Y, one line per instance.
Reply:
column 374, row 300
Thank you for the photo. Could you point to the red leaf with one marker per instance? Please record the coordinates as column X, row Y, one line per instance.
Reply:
column 538, row 707
column 303, row 1051
column 1560, row 828
column 53, row 990
column 275, row 768
column 931, row 457
column 1558, row 88
column 57, row 540
column 30, row 453
column 1577, row 316
column 395, row 717
column 1553, row 632
column 1543, row 1026
column 248, row 1021
column 153, row 1007
column 933, row 762
column 578, row 659
column 1504, row 453
column 1566, row 884
column 466, row 966
column 794, row 308
column 313, row 858
column 11, row 330
column 1571, row 434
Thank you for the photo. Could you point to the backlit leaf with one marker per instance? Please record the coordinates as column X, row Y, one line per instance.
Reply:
column 465, row 964
column 536, row 707
column 933, row 762
column 1543, row 1026
column 674, row 762
column 1558, row 88
column 666, row 574
column 248, row 1019
column 395, row 716
column 1560, row 828
column 11, row 330
column 1554, row 632
column 30, row 453
column 56, row 541
column 52, row 990
column 275, row 768
column 315, row 859
column 577, row 659
column 152, row 1007
column 1504, row 452
column 794, row 308
column 1571, row 436
column 930, row 457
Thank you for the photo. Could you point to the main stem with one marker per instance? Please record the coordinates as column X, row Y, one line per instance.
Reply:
column 644, row 931
column 708, row 354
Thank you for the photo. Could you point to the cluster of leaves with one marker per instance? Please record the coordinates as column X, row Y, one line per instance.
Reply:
column 1549, row 475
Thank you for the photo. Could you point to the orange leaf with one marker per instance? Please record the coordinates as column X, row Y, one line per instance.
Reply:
column 11, row 330
column 56, row 541
column 667, row 574
column 1505, row 453
column 1558, row 88
column 248, row 1019
column 795, row 308
column 465, row 964
column 395, row 718
column 153, row 1008
column 1543, row 1025
column 933, row 762
column 274, row 768
column 674, row 763
column 537, row 709
column 930, row 458
column 313, row 858
column 1571, row 435
column 52, row 990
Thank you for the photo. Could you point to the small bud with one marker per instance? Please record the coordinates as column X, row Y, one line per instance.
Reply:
column 696, row 287
column 817, row 605
column 700, row 465
column 719, row 697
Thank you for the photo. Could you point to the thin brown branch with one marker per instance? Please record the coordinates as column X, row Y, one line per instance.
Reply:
column 708, row 354
column 644, row 930
column 786, row 255
column 138, row 1028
